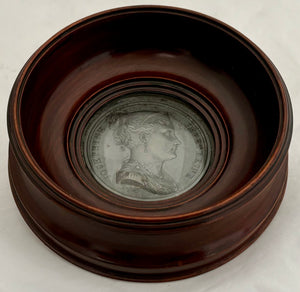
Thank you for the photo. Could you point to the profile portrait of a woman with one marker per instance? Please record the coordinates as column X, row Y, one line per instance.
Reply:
column 151, row 140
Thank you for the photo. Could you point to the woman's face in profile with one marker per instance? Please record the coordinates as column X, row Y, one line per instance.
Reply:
column 163, row 143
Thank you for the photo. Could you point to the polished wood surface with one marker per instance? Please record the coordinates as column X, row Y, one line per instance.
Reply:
column 204, row 63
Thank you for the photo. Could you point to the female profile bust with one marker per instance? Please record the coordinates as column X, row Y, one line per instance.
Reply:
column 151, row 140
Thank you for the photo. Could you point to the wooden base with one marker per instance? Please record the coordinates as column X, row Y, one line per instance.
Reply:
column 80, row 261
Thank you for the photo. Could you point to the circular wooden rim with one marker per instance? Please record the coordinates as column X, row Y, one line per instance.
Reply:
column 40, row 177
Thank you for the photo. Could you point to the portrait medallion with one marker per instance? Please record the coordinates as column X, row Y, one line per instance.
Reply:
column 147, row 147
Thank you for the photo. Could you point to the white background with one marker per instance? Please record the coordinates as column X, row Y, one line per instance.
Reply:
column 272, row 263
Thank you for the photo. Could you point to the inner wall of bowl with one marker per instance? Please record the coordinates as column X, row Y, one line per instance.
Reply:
column 190, row 50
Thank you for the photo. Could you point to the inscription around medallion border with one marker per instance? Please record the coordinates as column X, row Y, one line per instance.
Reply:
column 190, row 122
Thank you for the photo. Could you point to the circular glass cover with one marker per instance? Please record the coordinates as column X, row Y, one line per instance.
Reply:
column 147, row 147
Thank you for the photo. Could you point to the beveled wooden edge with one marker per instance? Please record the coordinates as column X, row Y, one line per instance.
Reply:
column 71, row 256
column 40, row 178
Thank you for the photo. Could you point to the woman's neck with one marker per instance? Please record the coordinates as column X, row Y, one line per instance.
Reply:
column 149, row 162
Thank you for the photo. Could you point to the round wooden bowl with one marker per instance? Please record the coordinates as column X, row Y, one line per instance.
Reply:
column 92, row 91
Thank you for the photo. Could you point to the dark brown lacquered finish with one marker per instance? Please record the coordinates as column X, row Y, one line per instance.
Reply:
column 196, row 59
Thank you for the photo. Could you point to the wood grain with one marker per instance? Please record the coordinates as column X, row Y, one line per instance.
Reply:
column 205, row 64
